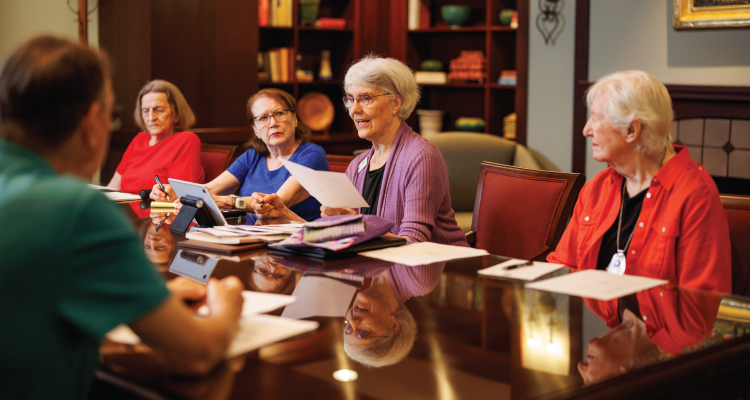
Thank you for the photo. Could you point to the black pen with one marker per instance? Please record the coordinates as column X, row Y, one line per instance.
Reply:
column 160, row 224
column 161, row 186
column 526, row 264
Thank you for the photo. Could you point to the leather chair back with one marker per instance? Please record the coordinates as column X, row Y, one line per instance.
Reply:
column 522, row 213
column 737, row 209
column 215, row 159
column 338, row 163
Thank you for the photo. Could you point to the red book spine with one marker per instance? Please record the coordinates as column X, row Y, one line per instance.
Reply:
column 263, row 12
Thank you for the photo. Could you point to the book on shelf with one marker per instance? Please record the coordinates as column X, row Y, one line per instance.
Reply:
column 330, row 23
column 507, row 77
column 430, row 77
column 277, row 65
column 277, row 13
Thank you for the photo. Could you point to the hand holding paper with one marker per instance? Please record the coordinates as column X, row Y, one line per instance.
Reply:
column 331, row 189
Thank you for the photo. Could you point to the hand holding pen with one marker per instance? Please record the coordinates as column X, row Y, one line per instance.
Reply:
column 158, row 181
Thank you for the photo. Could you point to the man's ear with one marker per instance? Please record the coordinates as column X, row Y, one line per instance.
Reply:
column 88, row 129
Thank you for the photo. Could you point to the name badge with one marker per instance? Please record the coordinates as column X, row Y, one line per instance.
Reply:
column 362, row 165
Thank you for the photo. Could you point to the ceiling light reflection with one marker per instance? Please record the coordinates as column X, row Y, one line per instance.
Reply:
column 345, row 375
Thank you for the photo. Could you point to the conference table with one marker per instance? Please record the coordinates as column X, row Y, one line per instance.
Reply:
column 476, row 338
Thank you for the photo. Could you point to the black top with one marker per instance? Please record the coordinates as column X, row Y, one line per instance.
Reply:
column 371, row 190
column 630, row 213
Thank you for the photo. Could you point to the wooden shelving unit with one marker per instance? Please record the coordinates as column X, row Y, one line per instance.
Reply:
column 309, row 42
column 504, row 49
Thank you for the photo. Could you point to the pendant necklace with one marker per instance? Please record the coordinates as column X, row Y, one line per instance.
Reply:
column 617, row 265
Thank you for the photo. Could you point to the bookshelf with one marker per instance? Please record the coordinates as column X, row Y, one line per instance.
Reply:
column 309, row 42
column 504, row 48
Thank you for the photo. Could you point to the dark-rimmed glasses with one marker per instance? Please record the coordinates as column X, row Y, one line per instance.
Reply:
column 279, row 116
column 362, row 333
column 363, row 99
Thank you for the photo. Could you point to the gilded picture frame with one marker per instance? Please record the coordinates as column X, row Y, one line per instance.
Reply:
column 710, row 14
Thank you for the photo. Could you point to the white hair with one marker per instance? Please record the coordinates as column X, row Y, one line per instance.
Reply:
column 388, row 350
column 625, row 96
column 390, row 76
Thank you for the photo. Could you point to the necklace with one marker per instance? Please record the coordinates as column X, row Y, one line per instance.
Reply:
column 617, row 265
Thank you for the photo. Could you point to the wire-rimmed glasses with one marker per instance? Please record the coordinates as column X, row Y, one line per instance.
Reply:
column 364, row 100
column 263, row 120
column 362, row 333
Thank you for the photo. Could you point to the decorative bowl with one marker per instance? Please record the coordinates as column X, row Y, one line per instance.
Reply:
column 505, row 16
column 455, row 15
column 470, row 124
column 431, row 65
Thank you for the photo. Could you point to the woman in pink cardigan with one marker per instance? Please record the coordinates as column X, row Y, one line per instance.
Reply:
column 403, row 176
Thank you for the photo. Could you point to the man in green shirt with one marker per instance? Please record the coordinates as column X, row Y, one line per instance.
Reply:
column 71, row 266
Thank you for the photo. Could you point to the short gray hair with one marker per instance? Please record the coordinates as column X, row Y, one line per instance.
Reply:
column 390, row 76
column 629, row 95
column 388, row 350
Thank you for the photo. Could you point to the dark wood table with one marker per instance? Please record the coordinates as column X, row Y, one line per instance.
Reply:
column 477, row 338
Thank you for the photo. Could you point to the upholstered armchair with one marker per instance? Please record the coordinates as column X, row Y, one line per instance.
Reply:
column 463, row 153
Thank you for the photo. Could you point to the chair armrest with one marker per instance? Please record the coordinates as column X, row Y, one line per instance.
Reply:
column 471, row 238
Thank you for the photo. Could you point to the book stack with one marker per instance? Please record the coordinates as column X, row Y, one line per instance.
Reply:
column 431, row 77
column 277, row 65
column 507, row 77
column 276, row 13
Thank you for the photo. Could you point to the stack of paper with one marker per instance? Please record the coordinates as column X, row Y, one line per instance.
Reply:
column 241, row 234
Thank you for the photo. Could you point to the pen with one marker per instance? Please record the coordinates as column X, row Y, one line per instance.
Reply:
column 160, row 224
column 161, row 187
column 526, row 264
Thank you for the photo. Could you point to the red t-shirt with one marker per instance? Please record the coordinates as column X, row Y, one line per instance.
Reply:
column 179, row 156
column 682, row 234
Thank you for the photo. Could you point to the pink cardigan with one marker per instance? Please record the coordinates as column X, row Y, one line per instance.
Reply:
column 414, row 193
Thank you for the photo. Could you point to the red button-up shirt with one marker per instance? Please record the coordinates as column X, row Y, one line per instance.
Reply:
column 681, row 234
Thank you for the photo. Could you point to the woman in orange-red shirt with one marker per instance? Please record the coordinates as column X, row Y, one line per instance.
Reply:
column 654, row 212
column 165, row 148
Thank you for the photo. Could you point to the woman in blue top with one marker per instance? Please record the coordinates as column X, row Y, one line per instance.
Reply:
column 278, row 136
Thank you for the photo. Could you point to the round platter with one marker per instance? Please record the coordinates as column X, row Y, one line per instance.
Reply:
column 316, row 111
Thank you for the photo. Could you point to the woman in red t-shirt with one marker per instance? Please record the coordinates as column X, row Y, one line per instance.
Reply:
column 165, row 148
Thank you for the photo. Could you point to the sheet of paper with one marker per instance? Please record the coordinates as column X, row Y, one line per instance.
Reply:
column 423, row 253
column 255, row 332
column 101, row 188
column 262, row 330
column 258, row 303
column 324, row 297
column 331, row 189
column 596, row 284
column 525, row 273
column 121, row 197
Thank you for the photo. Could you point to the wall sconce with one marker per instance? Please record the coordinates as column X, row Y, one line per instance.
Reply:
column 550, row 19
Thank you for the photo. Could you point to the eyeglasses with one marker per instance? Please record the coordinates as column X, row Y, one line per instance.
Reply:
column 363, row 99
column 361, row 332
column 279, row 116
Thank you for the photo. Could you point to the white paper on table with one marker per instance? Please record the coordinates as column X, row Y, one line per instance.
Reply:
column 331, row 189
column 262, row 330
column 526, row 273
column 255, row 332
column 100, row 188
column 258, row 303
column 324, row 297
column 596, row 284
column 423, row 253
column 119, row 196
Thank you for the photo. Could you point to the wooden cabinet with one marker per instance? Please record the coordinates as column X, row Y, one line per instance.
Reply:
column 504, row 49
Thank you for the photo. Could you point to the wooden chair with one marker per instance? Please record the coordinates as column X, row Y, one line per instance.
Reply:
column 338, row 163
column 522, row 213
column 216, row 158
column 737, row 209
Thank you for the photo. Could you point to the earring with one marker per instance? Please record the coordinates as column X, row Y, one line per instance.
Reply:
column 394, row 113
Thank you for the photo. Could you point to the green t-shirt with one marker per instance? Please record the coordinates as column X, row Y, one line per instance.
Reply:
column 71, row 269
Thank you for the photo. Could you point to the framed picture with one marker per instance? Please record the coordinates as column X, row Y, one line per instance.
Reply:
column 701, row 14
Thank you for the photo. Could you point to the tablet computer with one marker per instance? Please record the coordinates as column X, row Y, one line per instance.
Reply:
column 200, row 191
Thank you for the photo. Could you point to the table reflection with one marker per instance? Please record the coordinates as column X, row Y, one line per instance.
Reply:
column 649, row 327
column 159, row 244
